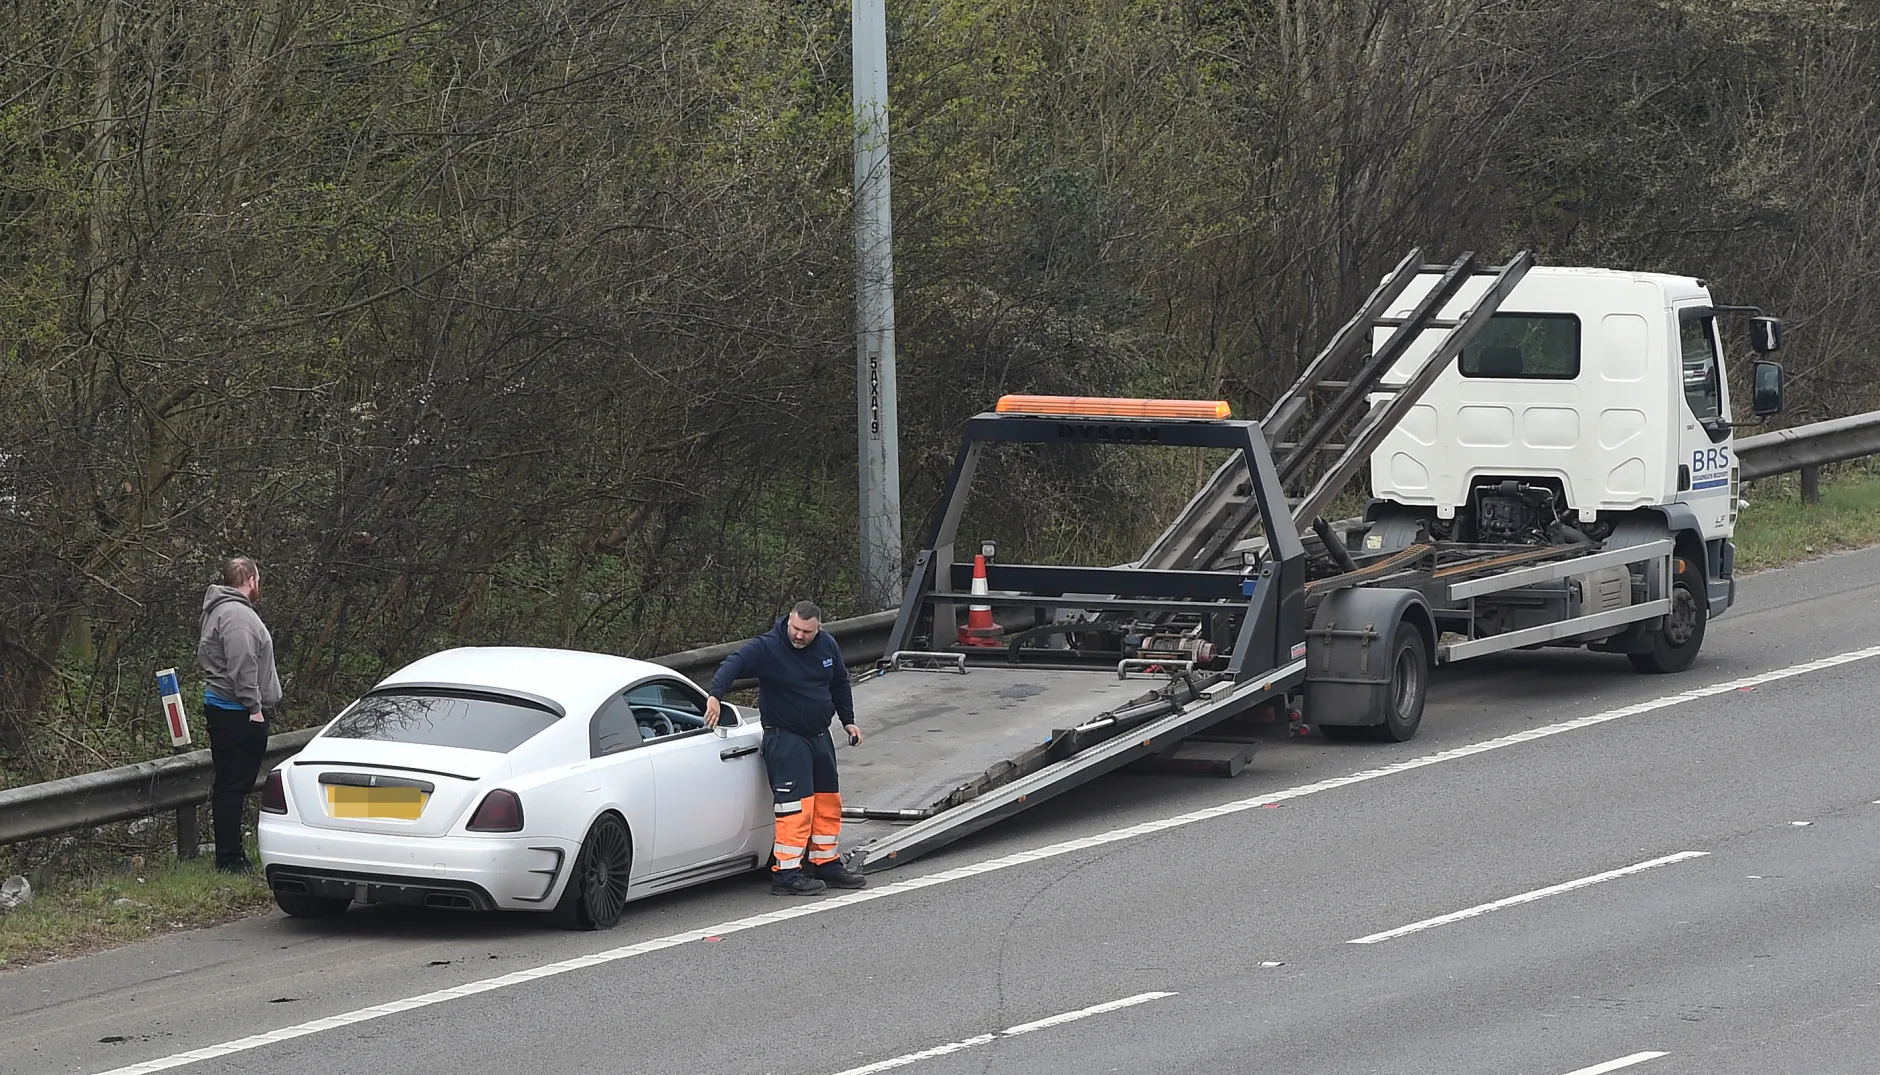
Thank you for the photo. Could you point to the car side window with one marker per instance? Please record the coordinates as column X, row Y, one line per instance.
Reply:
column 613, row 728
column 663, row 709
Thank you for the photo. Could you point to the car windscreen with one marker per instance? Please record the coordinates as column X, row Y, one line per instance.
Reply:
column 444, row 719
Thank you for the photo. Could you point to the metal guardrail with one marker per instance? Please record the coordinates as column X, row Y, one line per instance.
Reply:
column 129, row 791
column 1807, row 447
column 864, row 639
column 182, row 781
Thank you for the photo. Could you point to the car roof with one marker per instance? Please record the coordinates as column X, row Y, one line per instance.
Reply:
column 577, row 680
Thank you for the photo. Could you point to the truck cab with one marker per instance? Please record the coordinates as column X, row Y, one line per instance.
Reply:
column 1591, row 396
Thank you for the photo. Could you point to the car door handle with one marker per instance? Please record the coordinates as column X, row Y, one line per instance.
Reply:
column 737, row 752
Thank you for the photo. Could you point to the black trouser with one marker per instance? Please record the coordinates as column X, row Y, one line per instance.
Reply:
column 236, row 746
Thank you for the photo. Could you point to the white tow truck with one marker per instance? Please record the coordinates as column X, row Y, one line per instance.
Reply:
column 1593, row 406
column 1551, row 464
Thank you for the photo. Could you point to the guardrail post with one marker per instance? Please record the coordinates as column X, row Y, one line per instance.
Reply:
column 1811, row 485
column 188, row 837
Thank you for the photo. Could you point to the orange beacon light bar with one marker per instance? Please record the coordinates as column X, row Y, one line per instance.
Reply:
column 1101, row 407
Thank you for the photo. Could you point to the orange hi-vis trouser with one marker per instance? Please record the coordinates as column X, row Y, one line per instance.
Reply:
column 807, row 803
column 813, row 824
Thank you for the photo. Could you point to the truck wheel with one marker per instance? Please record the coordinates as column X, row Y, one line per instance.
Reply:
column 1409, row 683
column 1675, row 644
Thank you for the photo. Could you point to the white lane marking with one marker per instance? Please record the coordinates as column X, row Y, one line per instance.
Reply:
column 959, row 873
column 1526, row 897
column 924, row 1054
column 1615, row 1065
column 1009, row 1032
column 1081, row 1013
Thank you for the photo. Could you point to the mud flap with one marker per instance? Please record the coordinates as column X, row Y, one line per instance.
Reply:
column 1348, row 653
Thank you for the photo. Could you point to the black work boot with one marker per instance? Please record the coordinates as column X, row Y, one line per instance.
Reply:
column 837, row 875
column 795, row 885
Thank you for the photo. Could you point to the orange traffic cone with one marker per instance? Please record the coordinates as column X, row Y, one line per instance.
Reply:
column 980, row 630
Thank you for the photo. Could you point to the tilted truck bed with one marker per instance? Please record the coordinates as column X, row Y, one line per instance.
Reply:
column 964, row 729
column 927, row 733
column 945, row 753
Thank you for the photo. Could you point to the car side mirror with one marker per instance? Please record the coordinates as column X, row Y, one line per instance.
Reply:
column 1766, row 389
column 1765, row 335
column 720, row 730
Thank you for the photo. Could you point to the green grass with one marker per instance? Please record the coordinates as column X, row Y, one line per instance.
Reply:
column 80, row 914
column 1777, row 528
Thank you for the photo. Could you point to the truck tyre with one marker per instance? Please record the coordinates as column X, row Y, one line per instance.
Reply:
column 1409, row 685
column 1675, row 644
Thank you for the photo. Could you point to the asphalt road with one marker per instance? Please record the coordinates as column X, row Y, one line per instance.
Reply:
column 1214, row 937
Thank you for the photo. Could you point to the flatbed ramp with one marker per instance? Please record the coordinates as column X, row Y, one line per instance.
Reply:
column 928, row 733
column 947, row 753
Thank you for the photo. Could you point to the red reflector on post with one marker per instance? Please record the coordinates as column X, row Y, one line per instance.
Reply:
column 500, row 811
column 1105, row 407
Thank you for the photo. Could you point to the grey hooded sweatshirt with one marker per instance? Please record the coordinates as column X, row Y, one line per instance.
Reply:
column 236, row 651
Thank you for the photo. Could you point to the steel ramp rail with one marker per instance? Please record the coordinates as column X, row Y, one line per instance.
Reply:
column 1336, row 403
column 1216, row 505
column 1342, row 423
column 1378, row 422
column 1331, row 400
column 1221, row 701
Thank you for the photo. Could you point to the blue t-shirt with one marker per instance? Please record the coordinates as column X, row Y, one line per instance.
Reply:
column 211, row 698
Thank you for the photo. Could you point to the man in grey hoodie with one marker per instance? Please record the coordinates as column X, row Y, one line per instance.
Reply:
column 237, row 657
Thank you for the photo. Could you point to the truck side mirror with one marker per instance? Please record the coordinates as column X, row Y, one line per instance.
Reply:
column 1766, row 390
column 1765, row 335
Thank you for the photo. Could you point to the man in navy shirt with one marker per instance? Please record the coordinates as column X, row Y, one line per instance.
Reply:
column 801, row 683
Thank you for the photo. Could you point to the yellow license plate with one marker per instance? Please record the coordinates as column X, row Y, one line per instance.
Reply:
column 401, row 804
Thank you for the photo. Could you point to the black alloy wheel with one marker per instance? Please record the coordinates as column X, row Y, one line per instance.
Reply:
column 596, row 894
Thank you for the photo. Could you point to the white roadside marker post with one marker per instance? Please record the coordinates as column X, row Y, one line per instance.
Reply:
column 188, row 838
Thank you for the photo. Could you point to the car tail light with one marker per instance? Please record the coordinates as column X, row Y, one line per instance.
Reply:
column 500, row 811
column 274, row 794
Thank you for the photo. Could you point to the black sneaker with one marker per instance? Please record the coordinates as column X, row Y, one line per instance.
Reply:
column 239, row 866
column 836, row 875
column 797, row 886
